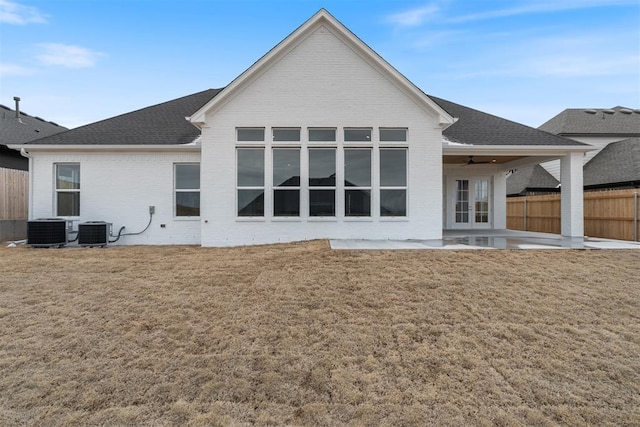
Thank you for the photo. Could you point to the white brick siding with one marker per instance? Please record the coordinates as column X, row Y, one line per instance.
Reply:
column 320, row 83
column 119, row 188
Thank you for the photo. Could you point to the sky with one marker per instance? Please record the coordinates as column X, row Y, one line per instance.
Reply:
column 75, row 62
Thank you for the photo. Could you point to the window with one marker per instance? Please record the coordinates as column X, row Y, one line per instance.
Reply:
column 250, row 181
column 286, row 182
column 393, row 134
column 68, row 190
column 250, row 134
column 357, row 182
column 322, row 182
column 286, row 134
column 322, row 134
column 393, row 182
column 187, row 189
column 357, row 135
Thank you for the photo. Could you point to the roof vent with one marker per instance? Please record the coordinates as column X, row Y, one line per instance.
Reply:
column 625, row 111
column 608, row 111
column 590, row 111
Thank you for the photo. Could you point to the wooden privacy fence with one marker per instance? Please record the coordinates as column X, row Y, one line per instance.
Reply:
column 608, row 214
column 14, row 191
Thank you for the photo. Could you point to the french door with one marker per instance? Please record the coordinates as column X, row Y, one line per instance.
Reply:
column 470, row 203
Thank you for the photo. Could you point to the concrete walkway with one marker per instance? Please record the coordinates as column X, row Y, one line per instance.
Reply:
column 489, row 239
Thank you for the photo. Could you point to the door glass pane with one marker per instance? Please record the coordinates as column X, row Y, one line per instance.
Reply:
column 250, row 202
column 462, row 201
column 322, row 203
column 357, row 168
column 286, row 167
column 393, row 203
column 481, row 195
column 286, row 203
column 322, row 167
column 251, row 167
column 393, row 167
column 357, row 203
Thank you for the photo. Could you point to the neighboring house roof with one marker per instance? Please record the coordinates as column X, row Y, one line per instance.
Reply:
column 530, row 178
column 19, row 130
column 596, row 121
column 478, row 128
column 162, row 124
column 617, row 163
column 25, row 128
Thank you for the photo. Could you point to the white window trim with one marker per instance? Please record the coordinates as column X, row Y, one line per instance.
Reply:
column 265, row 184
column 57, row 190
column 405, row 187
column 371, row 187
column 184, row 190
column 274, row 188
column 324, row 187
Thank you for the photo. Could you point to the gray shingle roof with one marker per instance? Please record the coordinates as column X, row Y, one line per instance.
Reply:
column 530, row 178
column 162, row 124
column 25, row 128
column 597, row 121
column 478, row 128
column 618, row 162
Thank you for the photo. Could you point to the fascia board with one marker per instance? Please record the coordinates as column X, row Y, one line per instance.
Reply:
column 507, row 150
column 107, row 148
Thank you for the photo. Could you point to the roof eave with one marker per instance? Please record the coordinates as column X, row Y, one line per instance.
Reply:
column 191, row 147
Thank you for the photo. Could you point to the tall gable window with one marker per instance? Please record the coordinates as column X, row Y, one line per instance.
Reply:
column 250, row 182
column 357, row 181
column 68, row 189
column 322, row 182
column 393, row 182
column 286, row 181
column 187, row 190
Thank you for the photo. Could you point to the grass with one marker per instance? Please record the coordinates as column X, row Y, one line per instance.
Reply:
column 298, row 334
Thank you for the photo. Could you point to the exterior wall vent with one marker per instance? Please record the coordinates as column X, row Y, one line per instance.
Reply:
column 47, row 232
column 94, row 233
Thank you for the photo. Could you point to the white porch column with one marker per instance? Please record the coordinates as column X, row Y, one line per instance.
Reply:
column 572, row 195
column 500, row 201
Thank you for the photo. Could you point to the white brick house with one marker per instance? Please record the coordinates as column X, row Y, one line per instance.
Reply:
column 320, row 138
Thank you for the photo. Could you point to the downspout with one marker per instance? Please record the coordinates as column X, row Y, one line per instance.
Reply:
column 26, row 154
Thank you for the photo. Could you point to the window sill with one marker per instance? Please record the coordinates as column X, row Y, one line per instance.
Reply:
column 286, row 219
column 186, row 218
column 322, row 219
column 358, row 219
column 394, row 219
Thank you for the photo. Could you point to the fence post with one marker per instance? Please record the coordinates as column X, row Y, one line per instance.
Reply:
column 635, row 216
column 525, row 213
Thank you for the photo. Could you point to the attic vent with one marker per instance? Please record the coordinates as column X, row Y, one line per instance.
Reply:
column 590, row 111
column 626, row 111
column 608, row 111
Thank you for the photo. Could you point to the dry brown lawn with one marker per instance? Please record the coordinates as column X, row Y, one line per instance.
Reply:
column 298, row 334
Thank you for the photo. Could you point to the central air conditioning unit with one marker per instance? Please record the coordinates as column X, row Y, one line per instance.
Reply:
column 94, row 233
column 47, row 232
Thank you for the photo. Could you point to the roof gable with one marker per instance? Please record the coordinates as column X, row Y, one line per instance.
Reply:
column 322, row 19
column 530, row 178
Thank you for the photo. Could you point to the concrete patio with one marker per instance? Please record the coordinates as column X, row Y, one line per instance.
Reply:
column 489, row 239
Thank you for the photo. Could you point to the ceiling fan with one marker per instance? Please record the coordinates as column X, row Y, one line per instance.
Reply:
column 473, row 162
